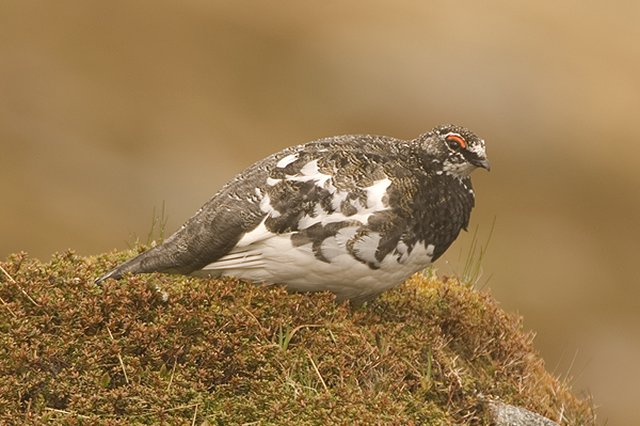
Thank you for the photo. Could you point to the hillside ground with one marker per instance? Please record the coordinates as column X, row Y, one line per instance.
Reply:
column 176, row 350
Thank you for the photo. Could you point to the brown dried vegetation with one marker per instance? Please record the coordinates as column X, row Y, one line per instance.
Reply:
column 227, row 352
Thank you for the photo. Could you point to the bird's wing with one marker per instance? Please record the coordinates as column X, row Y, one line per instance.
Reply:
column 324, row 206
column 332, row 180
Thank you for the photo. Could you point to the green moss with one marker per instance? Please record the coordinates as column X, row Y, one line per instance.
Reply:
column 227, row 352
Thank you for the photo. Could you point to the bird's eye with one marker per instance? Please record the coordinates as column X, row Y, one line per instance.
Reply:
column 456, row 141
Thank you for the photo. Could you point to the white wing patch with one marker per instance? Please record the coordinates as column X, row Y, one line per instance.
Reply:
column 259, row 233
column 310, row 171
column 241, row 259
column 402, row 252
column 331, row 248
column 376, row 193
column 245, row 254
column 337, row 198
column 336, row 246
column 266, row 207
column 285, row 161
column 430, row 248
column 344, row 235
column 366, row 246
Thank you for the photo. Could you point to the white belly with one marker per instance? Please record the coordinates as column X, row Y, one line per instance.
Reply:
column 275, row 260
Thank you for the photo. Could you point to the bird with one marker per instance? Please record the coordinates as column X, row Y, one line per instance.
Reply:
column 354, row 215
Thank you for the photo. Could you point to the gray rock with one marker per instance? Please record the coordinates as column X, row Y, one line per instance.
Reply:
column 510, row 415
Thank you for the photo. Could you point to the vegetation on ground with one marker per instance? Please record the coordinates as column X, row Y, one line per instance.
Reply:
column 169, row 349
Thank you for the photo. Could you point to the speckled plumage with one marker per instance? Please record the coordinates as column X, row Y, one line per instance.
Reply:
column 354, row 215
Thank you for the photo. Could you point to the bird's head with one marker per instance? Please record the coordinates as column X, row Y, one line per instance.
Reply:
column 454, row 150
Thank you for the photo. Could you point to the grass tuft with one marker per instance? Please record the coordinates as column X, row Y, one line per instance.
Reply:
column 472, row 269
column 158, row 225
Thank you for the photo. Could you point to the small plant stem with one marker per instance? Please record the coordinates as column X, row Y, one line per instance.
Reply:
column 315, row 367
column 124, row 370
column 173, row 371
column 6, row 305
column 195, row 413
column 20, row 288
column 69, row 413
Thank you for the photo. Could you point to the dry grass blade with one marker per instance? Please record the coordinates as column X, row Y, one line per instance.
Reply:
column 68, row 413
column 124, row 370
column 18, row 285
column 195, row 414
column 286, row 338
column 315, row 367
column 173, row 372
column 262, row 329
column 6, row 305
column 472, row 270
column 180, row 407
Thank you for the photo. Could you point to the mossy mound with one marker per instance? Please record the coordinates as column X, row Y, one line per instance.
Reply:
column 227, row 352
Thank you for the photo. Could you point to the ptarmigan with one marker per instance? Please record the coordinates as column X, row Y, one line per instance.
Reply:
column 354, row 215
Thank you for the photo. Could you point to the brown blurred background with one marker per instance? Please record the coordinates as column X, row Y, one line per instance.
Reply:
column 109, row 109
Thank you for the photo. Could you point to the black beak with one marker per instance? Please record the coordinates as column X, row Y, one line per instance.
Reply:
column 481, row 162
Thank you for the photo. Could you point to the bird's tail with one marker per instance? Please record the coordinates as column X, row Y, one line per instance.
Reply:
column 153, row 260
